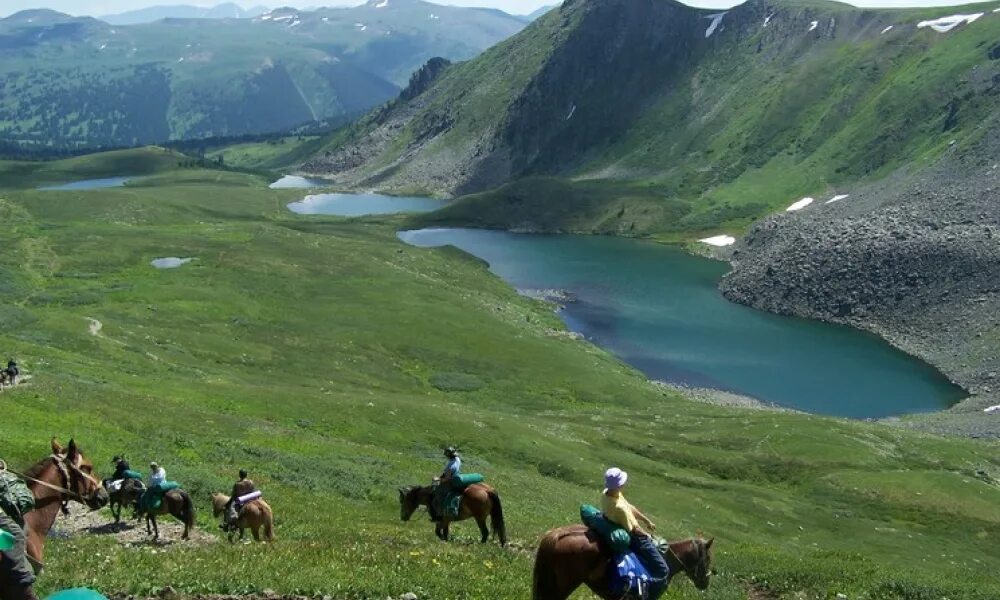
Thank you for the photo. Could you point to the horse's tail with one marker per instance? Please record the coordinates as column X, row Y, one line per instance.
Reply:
column 496, row 515
column 187, row 510
column 544, row 585
column 268, row 522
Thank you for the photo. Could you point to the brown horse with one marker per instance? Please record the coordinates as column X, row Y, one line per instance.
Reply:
column 478, row 502
column 570, row 556
column 253, row 516
column 176, row 503
column 64, row 475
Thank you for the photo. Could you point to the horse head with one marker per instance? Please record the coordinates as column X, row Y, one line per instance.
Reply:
column 409, row 501
column 77, row 472
column 219, row 502
column 695, row 557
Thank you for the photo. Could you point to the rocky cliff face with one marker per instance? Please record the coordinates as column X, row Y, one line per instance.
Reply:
column 916, row 260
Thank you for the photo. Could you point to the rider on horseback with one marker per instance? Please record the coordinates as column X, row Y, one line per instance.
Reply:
column 618, row 510
column 121, row 466
column 241, row 488
column 12, row 371
column 157, row 475
column 444, row 483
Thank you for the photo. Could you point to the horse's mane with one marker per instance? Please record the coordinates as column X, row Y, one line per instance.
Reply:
column 38, row 468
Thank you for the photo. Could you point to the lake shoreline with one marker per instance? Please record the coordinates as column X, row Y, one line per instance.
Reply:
column 717, row 396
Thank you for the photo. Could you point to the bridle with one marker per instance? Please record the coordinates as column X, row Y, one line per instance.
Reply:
column 699, row 569
column 66, row 472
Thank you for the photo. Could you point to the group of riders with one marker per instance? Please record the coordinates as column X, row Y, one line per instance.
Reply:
column 17, row 574
column 244, row 490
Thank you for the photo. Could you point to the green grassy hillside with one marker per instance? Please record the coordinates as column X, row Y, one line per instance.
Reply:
column 776, row 102
column 320, row 354
column 79, row 82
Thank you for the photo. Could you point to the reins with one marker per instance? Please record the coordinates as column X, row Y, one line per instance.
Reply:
column 61, row 465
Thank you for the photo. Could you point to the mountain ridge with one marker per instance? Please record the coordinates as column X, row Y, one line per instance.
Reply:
column 193, row 78
column 770, row 84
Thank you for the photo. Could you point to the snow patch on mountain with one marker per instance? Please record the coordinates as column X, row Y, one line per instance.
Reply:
column 800, row 204
column 719, row 240
column 946, row 24
column 716, row 19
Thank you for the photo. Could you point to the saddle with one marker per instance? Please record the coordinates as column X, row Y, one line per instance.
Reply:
column 449, row 500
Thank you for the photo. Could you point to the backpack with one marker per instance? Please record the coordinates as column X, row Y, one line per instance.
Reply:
column 628, row 577
column 16, row 498
column 616, row 538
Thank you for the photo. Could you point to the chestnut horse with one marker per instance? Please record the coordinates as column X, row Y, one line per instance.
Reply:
column 478, row 502
column 571, row 556
column 55, row 480
column 253, row 516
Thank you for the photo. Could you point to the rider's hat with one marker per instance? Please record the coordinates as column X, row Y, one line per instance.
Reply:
column 450, row 451
column 153, row 464
column 116, row 459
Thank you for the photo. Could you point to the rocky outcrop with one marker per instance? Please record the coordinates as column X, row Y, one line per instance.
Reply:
column 915, row 259
column 423, row 78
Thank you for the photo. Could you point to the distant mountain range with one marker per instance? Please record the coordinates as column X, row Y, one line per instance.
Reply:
column 183, row 11
column 74, row 82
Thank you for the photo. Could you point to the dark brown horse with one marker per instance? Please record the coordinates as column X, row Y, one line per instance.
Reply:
column 176, row 503
column 479, row 501
column 127, row 495
column 571, row 556
column 64, row 475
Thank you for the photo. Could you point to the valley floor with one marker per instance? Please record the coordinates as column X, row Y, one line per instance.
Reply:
column 334, row 362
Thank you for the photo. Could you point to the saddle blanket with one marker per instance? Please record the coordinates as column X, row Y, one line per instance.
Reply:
column 153, row 498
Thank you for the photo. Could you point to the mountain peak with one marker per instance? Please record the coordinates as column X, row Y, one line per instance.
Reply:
column 39, row 16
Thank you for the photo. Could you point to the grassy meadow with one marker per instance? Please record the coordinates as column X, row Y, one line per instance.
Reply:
column 334, row 362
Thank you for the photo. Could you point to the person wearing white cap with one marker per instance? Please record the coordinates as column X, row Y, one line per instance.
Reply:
column 157, row 475
column 619, row 511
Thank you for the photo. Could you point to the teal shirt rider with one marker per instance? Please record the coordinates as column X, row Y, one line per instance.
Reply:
column 453, row 467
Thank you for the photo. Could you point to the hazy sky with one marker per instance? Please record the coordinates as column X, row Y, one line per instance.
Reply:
column 103, row 7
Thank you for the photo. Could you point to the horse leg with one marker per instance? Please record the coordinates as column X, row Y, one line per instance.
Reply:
column 445, row 526
column 255, row 530
column 483, row 529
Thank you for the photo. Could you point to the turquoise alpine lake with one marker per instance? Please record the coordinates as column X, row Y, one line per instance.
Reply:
column 357, row 205
column 659, row 309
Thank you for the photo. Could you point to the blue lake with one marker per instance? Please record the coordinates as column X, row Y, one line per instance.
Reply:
column 659, row 309
column 90, row 184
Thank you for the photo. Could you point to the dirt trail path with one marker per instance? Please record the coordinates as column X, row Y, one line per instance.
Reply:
column 129, row 533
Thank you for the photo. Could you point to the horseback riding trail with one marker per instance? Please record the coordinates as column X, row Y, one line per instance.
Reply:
column 129, row 533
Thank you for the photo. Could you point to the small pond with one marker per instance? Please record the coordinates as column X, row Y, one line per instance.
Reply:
column 295, row 182
column 90, row 184
column 357, row 205
column 170, row 262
